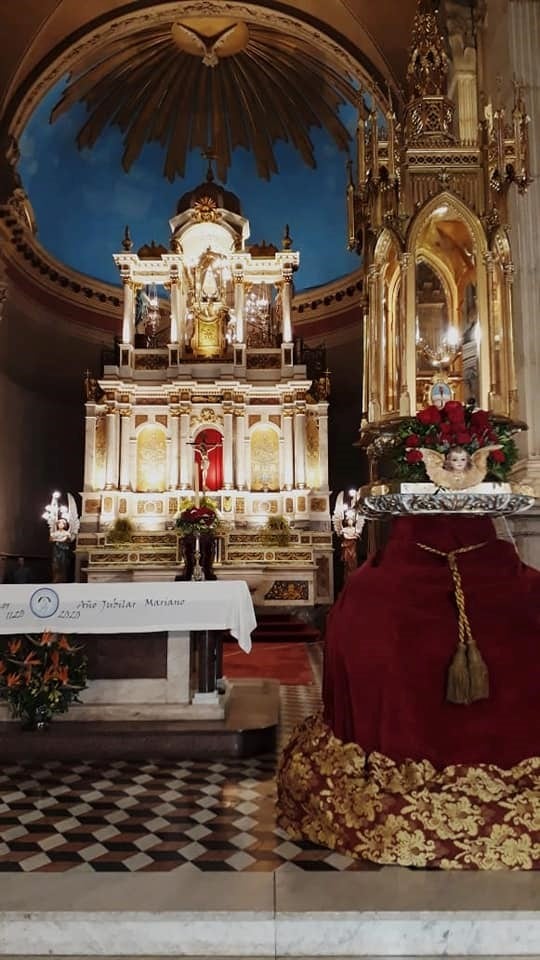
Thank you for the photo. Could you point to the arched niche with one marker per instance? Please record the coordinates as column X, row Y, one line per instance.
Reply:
column 446, row 243
column 264, row 458
column 151, row 458
column 209, row 454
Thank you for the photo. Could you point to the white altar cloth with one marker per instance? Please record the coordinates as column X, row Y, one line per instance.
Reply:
column 130, row 607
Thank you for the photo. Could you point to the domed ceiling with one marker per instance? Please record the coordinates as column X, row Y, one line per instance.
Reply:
column 148, row 94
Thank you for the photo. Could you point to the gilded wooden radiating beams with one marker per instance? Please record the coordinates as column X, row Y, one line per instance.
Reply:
column 208, row 80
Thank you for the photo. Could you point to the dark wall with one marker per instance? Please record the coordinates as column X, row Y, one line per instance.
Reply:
column 42, row 364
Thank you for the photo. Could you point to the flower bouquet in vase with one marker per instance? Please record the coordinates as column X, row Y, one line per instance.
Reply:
column 198, row 526
column 40, row 676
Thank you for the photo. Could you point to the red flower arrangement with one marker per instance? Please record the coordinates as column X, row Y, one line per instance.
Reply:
column 455, row 425
column 198, row 519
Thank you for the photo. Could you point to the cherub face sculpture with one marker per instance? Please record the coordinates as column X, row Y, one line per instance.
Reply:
column 457, row 460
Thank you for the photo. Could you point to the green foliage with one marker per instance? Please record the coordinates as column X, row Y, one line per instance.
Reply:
column 121, row 531
column 41, row 675
column 276, row 532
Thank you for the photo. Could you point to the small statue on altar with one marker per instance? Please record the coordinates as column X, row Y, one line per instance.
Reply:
column 63, row 524
column 348, row 523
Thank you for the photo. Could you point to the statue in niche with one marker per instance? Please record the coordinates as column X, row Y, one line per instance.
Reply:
column 63, row 529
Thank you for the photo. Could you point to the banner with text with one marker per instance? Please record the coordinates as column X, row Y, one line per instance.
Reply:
column 129, row 607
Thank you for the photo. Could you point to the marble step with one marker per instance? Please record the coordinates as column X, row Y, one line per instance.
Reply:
column 387, row 913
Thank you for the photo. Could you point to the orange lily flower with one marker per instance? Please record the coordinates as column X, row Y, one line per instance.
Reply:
column 31, row 659
column 46, row 639
column 63, row 644
column 14, row 646
column 63, row 675
column 3, row 667
column 13, row 679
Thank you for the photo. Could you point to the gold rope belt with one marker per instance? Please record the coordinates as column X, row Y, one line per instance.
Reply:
column 468, row 678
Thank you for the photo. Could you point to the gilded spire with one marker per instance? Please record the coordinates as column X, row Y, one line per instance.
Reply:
column 429, row 113
column 428, row 63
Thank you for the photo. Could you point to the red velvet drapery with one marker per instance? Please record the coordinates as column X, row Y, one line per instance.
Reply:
column 393, row 632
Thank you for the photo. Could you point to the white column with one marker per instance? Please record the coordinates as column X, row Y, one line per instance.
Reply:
column 90, row 449
column 186, row 457
column 111, row 434
column 128, row 326
column 228, row 473
column 288, row 455
column 239, row 308
column 240, row 451
column 175, row 310
column 523, row 32
column 174, row 426
column 125, row 434
column 286, row 299
column 300, row 447
column 323, row 446
column 133, row 462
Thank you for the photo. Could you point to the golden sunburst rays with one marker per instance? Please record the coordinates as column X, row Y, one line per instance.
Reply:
column 188, row 84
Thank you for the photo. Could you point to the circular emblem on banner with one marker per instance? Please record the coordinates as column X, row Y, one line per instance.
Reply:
column 44, row 602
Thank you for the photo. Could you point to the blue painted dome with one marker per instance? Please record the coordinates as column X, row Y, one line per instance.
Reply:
column 83, row 199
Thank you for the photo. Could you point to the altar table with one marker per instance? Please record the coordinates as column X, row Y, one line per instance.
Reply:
column 194, row 615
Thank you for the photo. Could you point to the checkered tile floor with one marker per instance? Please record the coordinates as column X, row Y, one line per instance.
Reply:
column 156, row 816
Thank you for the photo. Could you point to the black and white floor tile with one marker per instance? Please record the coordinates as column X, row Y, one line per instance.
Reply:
column 156, row 816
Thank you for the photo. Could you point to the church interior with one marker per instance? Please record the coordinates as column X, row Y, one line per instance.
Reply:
column 269, row 288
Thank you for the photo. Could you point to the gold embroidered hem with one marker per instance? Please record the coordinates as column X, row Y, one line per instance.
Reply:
column 479, row 817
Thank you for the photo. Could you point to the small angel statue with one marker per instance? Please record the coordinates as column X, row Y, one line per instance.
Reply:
column 64, row 526
column 457, row 469
column 348, row 524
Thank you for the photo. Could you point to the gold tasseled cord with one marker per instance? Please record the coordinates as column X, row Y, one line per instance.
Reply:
column 468, row 677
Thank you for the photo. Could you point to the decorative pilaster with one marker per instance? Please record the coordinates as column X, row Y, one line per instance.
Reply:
column 128, row 325
column 185, row 450
column 176, row 316
column 508, row 313
column 174, row 426
column 228, row 472
column 240, row 449
column 323, row 446
column 494, row 398
column 125, row 434
column 374, row 405
column 111, row 434
column 288, row 454
column 523, row 25
column 404, row 391
column 239, row 295
column 89, row 482
column 300, row 447
column 286, row 303
column 133, row 462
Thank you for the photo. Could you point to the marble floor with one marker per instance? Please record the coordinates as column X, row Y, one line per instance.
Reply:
column 184, row 858
column 121, row 816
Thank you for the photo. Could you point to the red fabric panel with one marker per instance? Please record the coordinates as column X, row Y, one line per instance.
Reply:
column 214, row 480
column 393, row 632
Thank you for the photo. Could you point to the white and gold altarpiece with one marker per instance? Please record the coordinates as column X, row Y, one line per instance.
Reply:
column 207, row 356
